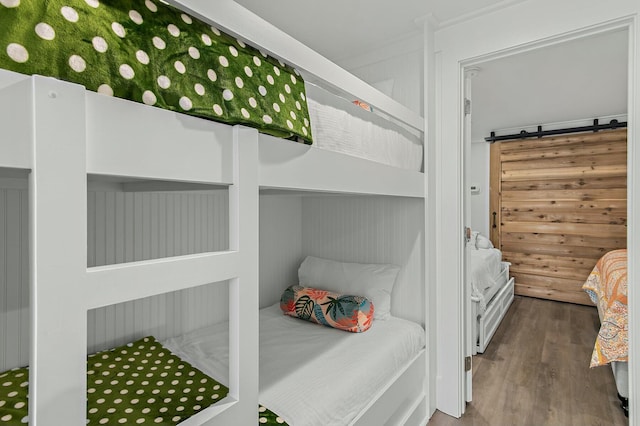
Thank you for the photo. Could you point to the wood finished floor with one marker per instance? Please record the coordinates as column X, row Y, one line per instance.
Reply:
column 536, row 371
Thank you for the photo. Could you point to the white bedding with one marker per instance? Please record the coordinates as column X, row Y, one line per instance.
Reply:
column 342, row 371
column 486, row 265
column 338, row 125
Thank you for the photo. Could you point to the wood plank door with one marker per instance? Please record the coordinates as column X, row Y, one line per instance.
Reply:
column 559, row 204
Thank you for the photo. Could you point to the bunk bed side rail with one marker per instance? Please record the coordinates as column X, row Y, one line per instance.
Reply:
column 153, row 143
column 392, row 405
column 292, row 166
column 112, row 284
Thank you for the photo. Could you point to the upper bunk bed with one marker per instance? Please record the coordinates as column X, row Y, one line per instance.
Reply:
column 176, row 146
column 65, row 132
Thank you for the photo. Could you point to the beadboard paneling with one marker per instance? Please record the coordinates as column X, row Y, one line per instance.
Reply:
column 280, row 245
column 372, row 230
column 130, row 226
column 122, row 227
column 133, row 226
column 14, row 274
column 162, row 316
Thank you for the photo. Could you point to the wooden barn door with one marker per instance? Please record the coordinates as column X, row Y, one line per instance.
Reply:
column 557, row 205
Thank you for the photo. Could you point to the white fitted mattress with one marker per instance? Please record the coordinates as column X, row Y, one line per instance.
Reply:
column 488, row 275
column 338, row 125
column 486, row 265
column 311, row 374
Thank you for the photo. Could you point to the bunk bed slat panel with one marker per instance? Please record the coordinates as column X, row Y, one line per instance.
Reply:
column 16, row 116
column 292, row 166
column 153, row 143
column 111, row 284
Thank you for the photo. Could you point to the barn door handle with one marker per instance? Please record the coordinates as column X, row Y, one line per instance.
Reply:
column 494, row 220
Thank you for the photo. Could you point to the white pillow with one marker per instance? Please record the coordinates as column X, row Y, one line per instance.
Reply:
column 483, row 242
column 373, row 281
column 473, row 242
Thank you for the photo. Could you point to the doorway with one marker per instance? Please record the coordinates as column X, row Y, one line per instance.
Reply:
column 544, row 83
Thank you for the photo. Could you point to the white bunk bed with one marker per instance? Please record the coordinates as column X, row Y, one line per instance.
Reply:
column 62, row 133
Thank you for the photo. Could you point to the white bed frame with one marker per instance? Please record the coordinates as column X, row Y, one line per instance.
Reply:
column 62, row 133
column 489, row 320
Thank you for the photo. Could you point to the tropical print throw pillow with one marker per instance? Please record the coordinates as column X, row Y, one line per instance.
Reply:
column 344, row 312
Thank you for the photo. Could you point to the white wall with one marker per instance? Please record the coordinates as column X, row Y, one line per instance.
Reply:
column 528, row 24
column 524, row 90
column 14, row 273
column 372, row 230
column 122, row 227
column 479, row 176
column 132, row 226
column 280, row 245
column 395, row 69
column 345, row 228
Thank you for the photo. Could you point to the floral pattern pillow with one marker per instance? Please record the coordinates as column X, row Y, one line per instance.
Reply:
column 344, row 312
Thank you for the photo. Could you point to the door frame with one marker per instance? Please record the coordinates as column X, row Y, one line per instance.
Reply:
column 451, row 61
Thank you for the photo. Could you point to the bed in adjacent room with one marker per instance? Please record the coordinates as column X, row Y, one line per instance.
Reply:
column 491, row 289
column 607, row 288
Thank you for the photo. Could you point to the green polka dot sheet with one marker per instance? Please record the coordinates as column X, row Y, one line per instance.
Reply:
column 150, row 52
column 138, row 383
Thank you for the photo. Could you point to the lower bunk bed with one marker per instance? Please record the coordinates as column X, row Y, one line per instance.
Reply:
column 312, row 370
column 309, row 374
column 492, row 290
column 607, row 289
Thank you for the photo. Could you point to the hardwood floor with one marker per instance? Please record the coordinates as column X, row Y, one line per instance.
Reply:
column 536, row 371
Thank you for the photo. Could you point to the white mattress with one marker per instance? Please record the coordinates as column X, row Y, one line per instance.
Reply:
column 338, row 125
column 311, row 374
column 486, row 266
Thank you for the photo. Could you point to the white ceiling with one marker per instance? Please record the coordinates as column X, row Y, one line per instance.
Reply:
column 582, row 79
column 342, row 28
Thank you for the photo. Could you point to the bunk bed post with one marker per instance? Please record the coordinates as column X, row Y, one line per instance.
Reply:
column 58, row 188
column 243, row 291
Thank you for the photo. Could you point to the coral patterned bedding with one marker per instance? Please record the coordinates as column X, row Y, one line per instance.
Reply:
column 150, row 52
column 607, row 288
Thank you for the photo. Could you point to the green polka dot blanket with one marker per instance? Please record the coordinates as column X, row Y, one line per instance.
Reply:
column 138, row 383
column 150, row 52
